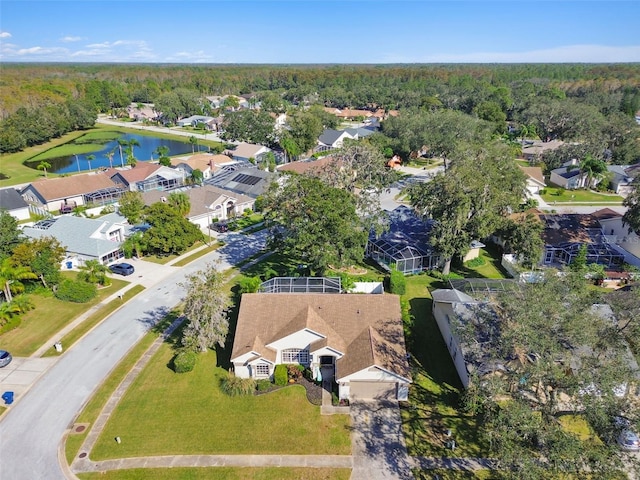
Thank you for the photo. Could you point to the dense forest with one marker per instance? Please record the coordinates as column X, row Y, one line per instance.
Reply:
column 566, row 101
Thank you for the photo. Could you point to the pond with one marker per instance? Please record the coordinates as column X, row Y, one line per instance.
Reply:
column 144, row 152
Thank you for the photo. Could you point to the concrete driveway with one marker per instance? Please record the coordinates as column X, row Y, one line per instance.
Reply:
column 377, row 442
column 22, row 372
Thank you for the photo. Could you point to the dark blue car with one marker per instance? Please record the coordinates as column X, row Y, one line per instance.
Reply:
column 122, row 268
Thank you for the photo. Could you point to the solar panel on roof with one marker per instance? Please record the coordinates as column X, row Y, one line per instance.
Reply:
column 246, row 179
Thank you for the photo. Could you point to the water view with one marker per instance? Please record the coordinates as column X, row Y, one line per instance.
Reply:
column 112, row 155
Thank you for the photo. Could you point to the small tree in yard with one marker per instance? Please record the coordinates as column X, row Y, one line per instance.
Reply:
column 205, row 308
column 397, row 283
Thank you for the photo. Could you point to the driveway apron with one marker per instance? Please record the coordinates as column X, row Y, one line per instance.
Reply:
column 377, row 442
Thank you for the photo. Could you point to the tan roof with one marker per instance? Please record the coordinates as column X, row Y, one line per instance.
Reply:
column 304, row 167
column 348, row 112
column 202, row 161
column 538, row 147
column 534, row 172
column 200, row 198
column 64, row 187
column 246, row 150
column 366, row 327
column 141, row 171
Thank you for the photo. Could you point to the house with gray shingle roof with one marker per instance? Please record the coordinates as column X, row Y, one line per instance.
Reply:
column 207, row 202
column 145, row 176
column 14, row 204
column 357, row 340
column 83, row 238
column 330, row 139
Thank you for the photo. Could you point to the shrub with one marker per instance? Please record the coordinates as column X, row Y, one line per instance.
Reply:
column 185, row 361
column 236, row 386
column 76, row 291
column 543, row 191
column 13, row 322
column 476, row 262
column 293, row 372
column 397, row 283
column 280, row 375
column 249, row 284
column 263, row 385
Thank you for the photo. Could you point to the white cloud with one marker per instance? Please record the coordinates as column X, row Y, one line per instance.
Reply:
column 98, row 45
column 40, row 51
column 69, row 39
column 5, row 35
column 198, row 57
column 564, row 54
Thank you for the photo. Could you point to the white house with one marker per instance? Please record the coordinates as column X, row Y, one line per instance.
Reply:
column 357, row 340
column 207, row 203
column 207, row 163
column 14, row 204
column 535, row 179
column 83, row 238
column 245, row 151
column 54, row 194
column 568, row 176
column 330, row 139
column 618, row 235
column 623, row 176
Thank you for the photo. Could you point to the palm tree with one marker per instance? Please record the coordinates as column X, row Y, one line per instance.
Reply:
column 43, row 165
column 110, row 155
column 163, row 155
column 8, row 310
column 121, row 143
column 93, row 271
column 89, row 158
column 193, row 141
column 10, row 277
column 23, row 302
column 131, row 158
column 197, row 177
column 593, row 168
column 180, row 202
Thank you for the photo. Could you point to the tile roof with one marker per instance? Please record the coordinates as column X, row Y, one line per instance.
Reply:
column 366, row 327
column 140, row 172
column 606, row 214
column 202, row 161
column 569, row 227
column 64, row 187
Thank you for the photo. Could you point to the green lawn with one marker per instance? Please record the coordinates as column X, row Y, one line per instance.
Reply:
column 165, row 413
column 490, row 269
column 194, row 256
column 167, row 258
column 245, row 221
column 586, row 196
column 48, row 317
column 102, row 393
column 13, row 170
column 77, row 333
column 434, row 396
column 453, row 474
column 222, row 473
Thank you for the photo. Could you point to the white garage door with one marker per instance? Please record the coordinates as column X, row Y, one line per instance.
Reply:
column 372, row 390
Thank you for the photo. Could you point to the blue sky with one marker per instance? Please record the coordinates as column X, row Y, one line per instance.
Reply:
column 316, row 31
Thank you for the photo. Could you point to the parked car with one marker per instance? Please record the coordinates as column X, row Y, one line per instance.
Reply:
column 219, row 227
column 122, row 268
column 5, row 358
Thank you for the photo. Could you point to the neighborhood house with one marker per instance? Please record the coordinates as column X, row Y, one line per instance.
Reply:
column 357, row 340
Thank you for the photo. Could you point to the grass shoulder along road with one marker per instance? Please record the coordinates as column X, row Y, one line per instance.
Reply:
column 77, row 333
column 226, row 473
column 552, row 197
column 39, row 325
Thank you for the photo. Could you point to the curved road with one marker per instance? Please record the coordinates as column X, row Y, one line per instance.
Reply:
column 32, row 429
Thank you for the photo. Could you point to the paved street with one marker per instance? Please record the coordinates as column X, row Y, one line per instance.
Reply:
column 31, row 430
